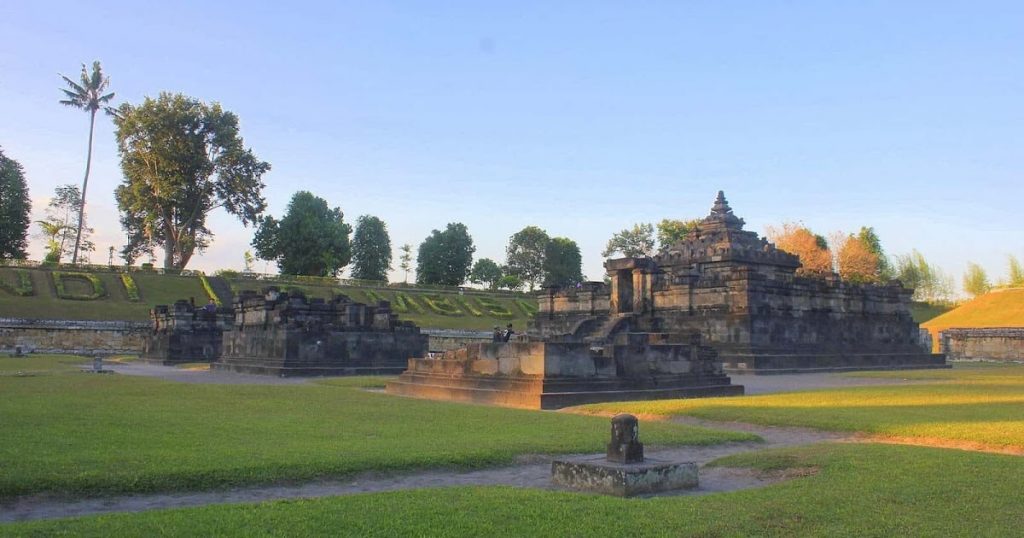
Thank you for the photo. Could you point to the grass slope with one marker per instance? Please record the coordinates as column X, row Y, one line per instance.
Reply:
column 858, row 490
column 996, row 309
column 67, row 432
column 166, row 289
column 982, row 406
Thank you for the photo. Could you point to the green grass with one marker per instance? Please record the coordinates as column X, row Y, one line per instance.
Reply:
column 115, row 306
column 1004, row 308
column 858, row 490
column 983, row 406
column 72, row 433
column 922, row 312
column 157, row 289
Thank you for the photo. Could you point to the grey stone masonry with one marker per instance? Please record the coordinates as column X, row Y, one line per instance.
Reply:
column 289, row 335
column 184, row 333
column 742, row 295
column 996, row 344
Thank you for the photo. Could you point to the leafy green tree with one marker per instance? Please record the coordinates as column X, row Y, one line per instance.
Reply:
column 371, row 249
column 524, row 255
column 62, row 225
column 632, row 243
column 89, row 96
column 671, row 231
column 1016, row 272
column 15, row 207
column 510, row 282
column 486, row 271
column 976, row 280
column 928, row 282
column 445, row 257
column 563, row 264
column 868, row 236
column 311, row 239
column 182, row 159
column 405, row 260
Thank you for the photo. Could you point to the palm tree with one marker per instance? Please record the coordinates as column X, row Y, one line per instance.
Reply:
column 87, row 96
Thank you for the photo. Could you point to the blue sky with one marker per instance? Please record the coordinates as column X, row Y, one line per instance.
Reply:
column 579, row 117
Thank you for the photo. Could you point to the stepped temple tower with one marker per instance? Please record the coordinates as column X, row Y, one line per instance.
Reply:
column 745, row 300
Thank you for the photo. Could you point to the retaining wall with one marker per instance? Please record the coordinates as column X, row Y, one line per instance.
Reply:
column 998, row 344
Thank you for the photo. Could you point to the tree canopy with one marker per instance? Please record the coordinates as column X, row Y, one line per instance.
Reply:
column 371, row 249
column 89, row 95
column 815, row 258
column 928, row 282
column 563, row 265
column 631, row 243
column 405, row 260
column 311, row 239
column 15, row 209
column 445, row 257
column 671, row 231
column 62, row 226
column 525, row 255
column 486, row 271
column 976, row 280
column 182, row 159
column 855, row 260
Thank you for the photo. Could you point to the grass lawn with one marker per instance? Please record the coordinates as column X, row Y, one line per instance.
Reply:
column 115, row 306
column 853, row 490
column 66, row 432
column 982, row 405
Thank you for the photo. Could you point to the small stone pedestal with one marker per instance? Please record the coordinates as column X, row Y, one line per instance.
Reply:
column 624, row 471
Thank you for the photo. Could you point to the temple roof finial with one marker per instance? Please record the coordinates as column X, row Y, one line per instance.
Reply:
column 721, row 206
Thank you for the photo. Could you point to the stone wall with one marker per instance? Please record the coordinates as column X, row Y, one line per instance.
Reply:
column 998, row 344
column 442, row 340
column 73, row 337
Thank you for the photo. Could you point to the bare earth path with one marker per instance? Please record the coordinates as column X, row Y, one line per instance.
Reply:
column 529, row 472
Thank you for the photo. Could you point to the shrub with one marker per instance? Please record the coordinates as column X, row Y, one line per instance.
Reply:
column 23, row 287
column 209, row 290
column 98, row 289
column 441, row 305
column 404, row 304
column 495, row 308
column 226, row 273
column 373, row 297
column 148, row 267
column 466, row 304
column 529, row 310
column 130, row 287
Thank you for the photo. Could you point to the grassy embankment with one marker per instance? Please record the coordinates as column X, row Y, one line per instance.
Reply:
column 1003, row 308
column 428, row 308
column 839, row 489
column 70, row 433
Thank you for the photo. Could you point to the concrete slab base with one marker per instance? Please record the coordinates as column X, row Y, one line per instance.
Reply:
column 598, row 475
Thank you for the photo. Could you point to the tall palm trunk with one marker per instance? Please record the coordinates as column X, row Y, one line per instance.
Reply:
column 85, row 185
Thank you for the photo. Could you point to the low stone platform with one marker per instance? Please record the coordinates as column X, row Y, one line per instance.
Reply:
column 596, row 474
column 551, row 375
column 623, row 471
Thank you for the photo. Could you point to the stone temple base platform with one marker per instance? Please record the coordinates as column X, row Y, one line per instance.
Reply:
column 598, row 475
column 551, row 375
column 761, row 363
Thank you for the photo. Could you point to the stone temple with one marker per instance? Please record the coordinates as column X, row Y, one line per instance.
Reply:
column 743, row 297
column 722, row 300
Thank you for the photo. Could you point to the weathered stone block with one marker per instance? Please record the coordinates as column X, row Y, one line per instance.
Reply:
column 596, row 474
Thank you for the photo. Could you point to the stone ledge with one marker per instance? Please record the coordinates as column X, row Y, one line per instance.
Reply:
column 597, row 474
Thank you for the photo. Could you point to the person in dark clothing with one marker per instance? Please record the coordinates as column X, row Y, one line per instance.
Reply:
column 508, row 333
column 210, row 307
column 497, row 336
